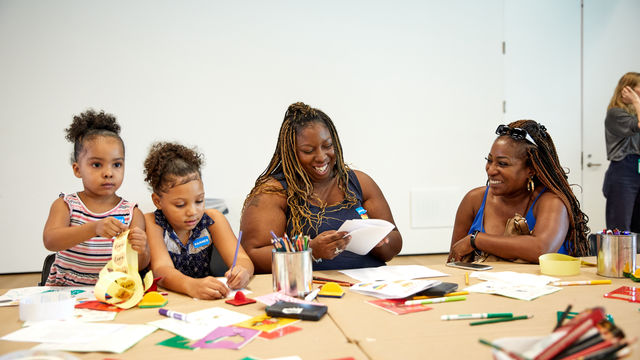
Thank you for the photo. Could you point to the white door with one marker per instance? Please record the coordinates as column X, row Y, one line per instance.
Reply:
column 542, row 72
column 611, row 48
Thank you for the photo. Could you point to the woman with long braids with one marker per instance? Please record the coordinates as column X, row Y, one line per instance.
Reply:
column 524, row 177
column 308, row 189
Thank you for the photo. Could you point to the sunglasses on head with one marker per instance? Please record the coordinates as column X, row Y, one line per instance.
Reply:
column 515, row 133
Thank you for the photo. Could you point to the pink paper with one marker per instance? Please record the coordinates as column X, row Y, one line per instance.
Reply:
column 220, row 338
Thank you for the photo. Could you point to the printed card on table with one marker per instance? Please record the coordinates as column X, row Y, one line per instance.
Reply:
column 394, row 289
column 266, row 323
column 397, row 306
column 200, row 322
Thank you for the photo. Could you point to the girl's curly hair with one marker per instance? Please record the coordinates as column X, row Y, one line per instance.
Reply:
column 89, row 125
column 170, row 164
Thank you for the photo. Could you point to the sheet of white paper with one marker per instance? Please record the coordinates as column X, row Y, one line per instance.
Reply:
column 63, row 332
column 86, row 315
column 514, row 277
column 13, row 296
column 393, row 289
column 232, row 293
column 393, row 272
column 201, row 322
column 115, row 342
column 365, row 233
column 512, row 290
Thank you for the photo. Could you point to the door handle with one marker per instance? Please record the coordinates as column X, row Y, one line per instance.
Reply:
column 590, row 164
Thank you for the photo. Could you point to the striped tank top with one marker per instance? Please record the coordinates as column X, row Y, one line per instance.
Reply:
column 81, row 264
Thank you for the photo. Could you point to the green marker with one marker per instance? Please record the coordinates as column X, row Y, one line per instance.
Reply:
column 476, row 316
column 435, row 300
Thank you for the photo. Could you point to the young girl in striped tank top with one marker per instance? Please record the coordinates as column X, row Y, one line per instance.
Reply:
column 81, row 226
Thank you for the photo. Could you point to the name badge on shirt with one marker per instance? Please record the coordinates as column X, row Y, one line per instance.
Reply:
column 200, row 242
column 119, row 218
column 362, row 212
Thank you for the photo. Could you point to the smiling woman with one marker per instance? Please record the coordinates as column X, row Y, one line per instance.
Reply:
column 527, row 185
column 307, row 189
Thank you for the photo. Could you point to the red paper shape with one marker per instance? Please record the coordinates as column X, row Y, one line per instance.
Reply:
column 154, row 285
column 240, row 299
column 98, row 305
column 628, row 293
column 279, row 332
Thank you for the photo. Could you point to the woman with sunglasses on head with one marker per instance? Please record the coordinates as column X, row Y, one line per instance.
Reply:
column 622, row 134
column 524, row 178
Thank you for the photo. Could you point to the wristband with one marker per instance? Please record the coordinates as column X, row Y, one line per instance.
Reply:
column 472, row 240
column 312, row 258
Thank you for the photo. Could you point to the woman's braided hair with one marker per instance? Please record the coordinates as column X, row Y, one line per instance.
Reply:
column 170, row 164
column 284, row 161
column 543, row 158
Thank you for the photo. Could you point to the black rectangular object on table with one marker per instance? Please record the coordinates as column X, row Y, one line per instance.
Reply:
column 297, row 311
column 441, row 289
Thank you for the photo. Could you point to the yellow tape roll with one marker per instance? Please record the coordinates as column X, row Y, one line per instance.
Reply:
column 120, row 279
column 559, row 264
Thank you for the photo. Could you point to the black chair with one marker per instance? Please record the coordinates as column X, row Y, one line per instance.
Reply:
column 46, row 268
column 217, row 265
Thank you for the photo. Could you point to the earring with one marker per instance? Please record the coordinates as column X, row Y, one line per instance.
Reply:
column 531, row 185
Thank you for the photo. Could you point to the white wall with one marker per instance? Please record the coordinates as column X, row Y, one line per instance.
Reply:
column 415, row 89
column 400, row 80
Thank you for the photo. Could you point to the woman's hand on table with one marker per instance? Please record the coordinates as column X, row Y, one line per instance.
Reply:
column 460, row 249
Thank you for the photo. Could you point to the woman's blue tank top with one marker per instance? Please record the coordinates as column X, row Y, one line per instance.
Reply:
column 531, row 219
column 332, row 220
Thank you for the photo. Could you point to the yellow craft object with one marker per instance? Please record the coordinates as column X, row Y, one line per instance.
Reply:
column 152, row 299
column 559, row 264
column 119, row 279
column 331, row 289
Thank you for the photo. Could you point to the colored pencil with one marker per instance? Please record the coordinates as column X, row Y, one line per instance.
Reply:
column 500, row 320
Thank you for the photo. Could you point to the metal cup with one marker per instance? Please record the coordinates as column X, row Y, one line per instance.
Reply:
column 616, row 254
column 292, row 272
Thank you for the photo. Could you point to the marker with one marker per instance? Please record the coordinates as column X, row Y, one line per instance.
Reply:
column 436, row 300
column 312, row 295
column 581, row 282
column 500, row 320
column 476, row 316
column 466, row 278
column 173, row 314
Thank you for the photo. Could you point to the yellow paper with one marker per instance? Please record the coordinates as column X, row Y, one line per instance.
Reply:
column 265, row 323
column 120, row 278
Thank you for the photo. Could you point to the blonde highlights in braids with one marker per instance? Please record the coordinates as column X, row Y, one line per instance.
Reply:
column 543, row 159
column 285, row 161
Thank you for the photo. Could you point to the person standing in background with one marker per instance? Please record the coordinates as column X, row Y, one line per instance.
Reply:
column 622, row 134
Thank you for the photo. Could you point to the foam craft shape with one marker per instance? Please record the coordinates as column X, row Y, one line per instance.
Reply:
column 119, row 279
column 222, row 338
column 240, row 299
column 152, row 299
column 554, row 264
column 331, row 289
